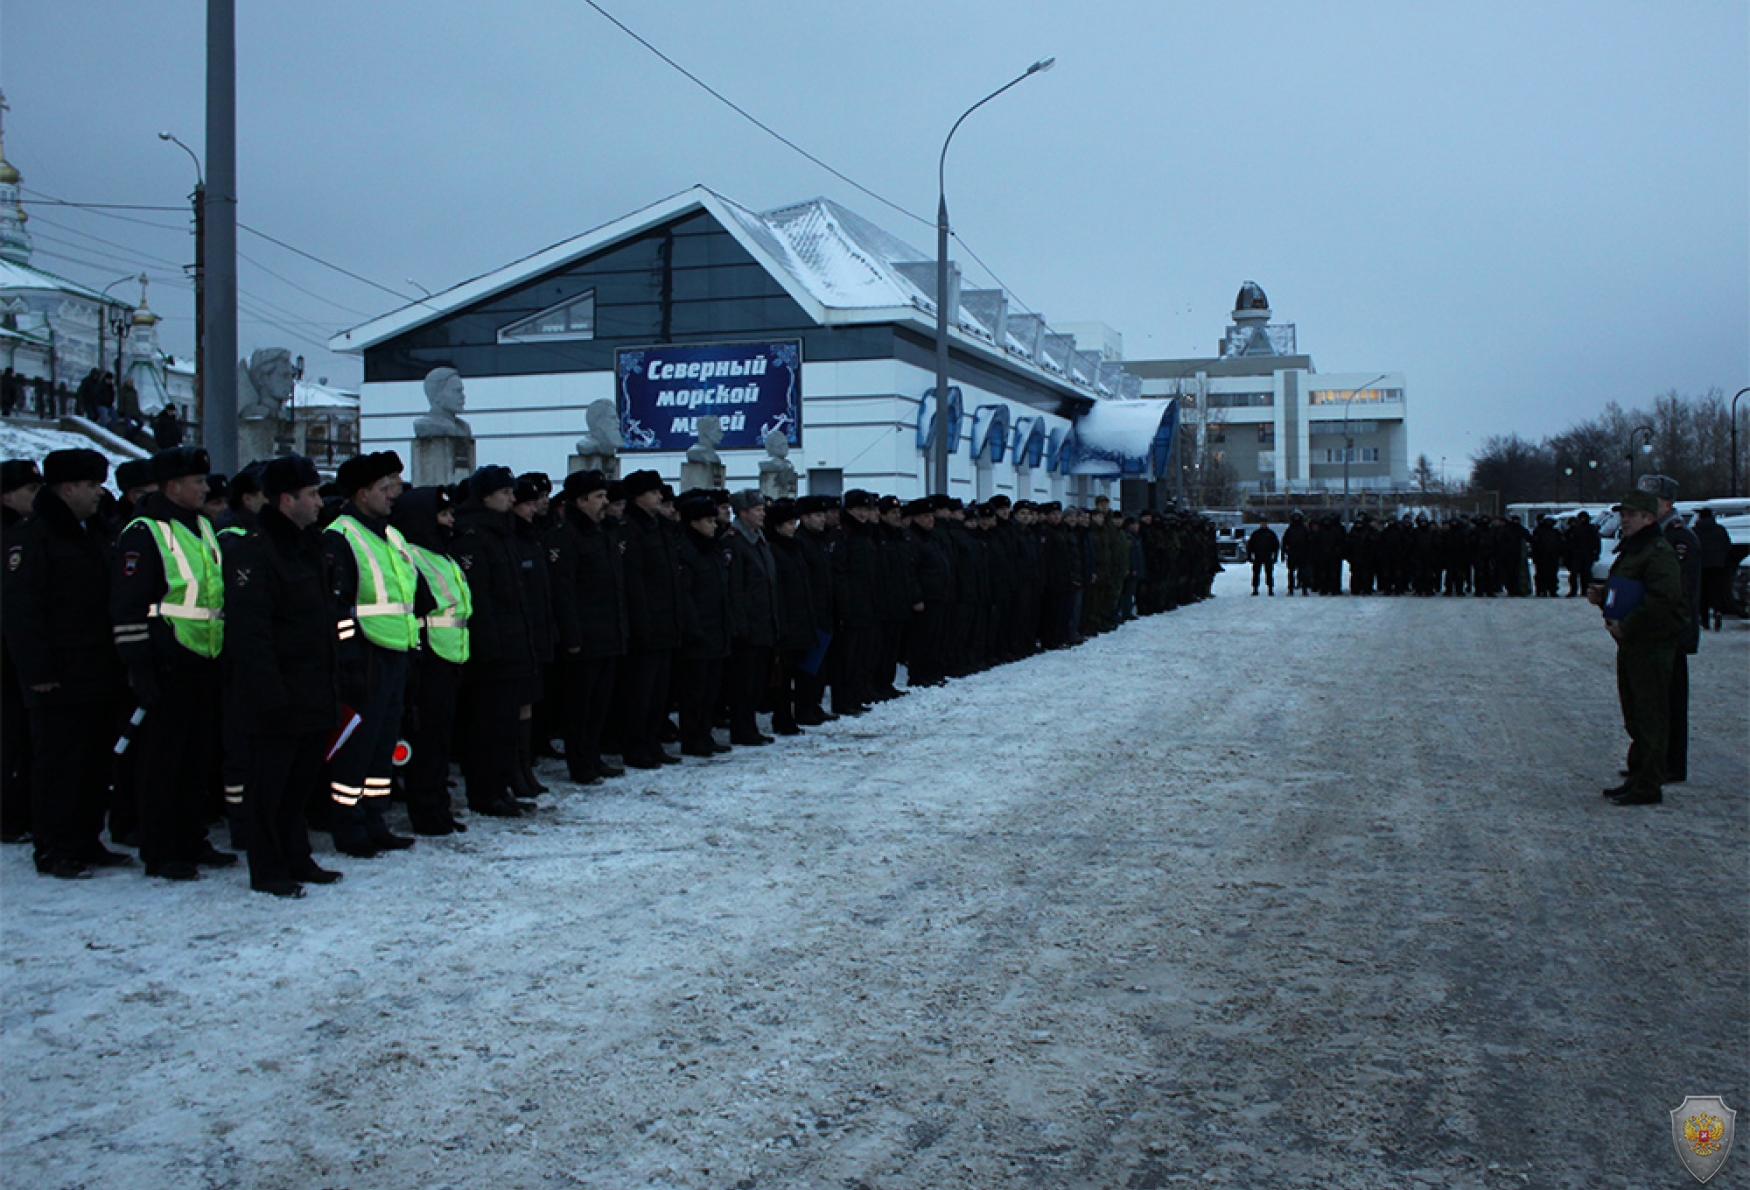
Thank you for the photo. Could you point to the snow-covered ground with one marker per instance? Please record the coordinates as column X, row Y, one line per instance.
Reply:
column 19, row 441
column 1259, row 893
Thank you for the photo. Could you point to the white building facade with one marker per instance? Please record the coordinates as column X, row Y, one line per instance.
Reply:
column 1262, row 410
column 670, row 312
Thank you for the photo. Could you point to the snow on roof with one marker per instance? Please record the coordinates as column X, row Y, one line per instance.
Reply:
column 23, row 276
column 841, row 268
column 307, row 394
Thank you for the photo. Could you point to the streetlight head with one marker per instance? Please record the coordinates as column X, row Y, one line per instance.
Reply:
column 163, row 136
column 1041, row 66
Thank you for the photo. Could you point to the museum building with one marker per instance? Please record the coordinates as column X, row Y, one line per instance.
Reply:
column 807, row 322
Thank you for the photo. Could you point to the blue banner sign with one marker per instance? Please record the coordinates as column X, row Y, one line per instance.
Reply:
column 752, row 388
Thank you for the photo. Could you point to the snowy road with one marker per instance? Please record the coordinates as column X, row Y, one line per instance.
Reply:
column 1260, row 893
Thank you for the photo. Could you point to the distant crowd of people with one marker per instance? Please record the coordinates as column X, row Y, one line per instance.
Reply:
column 1481, row 555
column 97, row 399
column 291, row 653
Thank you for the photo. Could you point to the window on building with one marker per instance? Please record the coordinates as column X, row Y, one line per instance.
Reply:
column 1267, row 462
column 1267, row 433
column 1332, row 396
column 573, row 319
column 1357, row 454
column 1217, row 432
column 1241, row 400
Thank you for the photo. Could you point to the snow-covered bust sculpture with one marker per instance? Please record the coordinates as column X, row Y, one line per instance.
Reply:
column 443, row 391
column 710, row 433
column 604, row 437
column 264, row 383
column 777, row 454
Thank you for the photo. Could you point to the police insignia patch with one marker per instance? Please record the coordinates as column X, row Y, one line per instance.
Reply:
column 131, row 563
column 15, row 557
column 553, row 554
column 465, row 561
column 240, row 576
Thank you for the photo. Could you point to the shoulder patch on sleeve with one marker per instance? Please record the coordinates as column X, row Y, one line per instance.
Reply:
column 465, row 561
column 15, row 557
column 553, row 554
column 131, row 563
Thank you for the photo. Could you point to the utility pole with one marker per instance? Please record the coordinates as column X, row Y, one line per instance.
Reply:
column 218, row 230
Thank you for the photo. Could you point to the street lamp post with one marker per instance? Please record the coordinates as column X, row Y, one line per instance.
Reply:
column 199, row 198
column 1735, row 397
column 939, row 440
column 1648, row 446
column 1348, row 442
column 106, row 318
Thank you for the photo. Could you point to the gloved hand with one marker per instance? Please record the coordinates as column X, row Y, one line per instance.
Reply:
column 143, row 680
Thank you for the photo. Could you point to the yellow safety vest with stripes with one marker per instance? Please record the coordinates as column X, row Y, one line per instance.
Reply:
column 446, row 629
column 194, row 598
column 386, row 587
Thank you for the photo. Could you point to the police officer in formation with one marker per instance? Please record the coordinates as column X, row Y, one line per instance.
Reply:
column 330, row 648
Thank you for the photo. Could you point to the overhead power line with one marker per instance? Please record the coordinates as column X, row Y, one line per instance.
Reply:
column 751, row 118
column 329, row 265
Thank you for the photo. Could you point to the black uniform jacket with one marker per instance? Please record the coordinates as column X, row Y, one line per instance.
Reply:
column 795, row 594
column 753, row 588
column 653, row 583
column 935, row 580
column 280, row 645
column 56, row 607
column 589, row 590
column 857, row 567
column 501, row 644
column 705, row 609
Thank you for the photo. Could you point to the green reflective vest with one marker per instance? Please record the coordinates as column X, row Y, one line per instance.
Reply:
column 446, row 629
column 194, row 596
column 387, row 583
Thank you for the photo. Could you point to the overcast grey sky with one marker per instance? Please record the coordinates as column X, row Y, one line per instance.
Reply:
column 1530, row 208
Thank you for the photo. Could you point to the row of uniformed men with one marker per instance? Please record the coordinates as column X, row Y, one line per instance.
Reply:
column 602, row 599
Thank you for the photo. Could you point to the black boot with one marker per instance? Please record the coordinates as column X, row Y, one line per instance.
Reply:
column 526, row 759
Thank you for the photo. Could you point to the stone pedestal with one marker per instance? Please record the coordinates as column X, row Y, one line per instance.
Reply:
column 608, row 465
column 778, row 483
column 703, row 475
column 442, row 460
column 255, row 438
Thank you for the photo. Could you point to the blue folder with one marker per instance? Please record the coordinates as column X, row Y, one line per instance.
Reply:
column 1622, row 596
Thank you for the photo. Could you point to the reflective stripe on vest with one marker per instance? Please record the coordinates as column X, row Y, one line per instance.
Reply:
column 385, row 609
column 446, row 630
column 194, row 599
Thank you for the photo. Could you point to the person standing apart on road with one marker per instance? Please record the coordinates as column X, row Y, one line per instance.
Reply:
column 1261, row 550
column 281, row 649
column 1688, row 550
column 167, row 604
column 1645, row 613
column 1716, row 561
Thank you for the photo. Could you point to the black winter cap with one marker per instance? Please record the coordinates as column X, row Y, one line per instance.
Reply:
column 581, row 483
column 18, row 473
column 639, row 482
column 135, row 473
column 293, row 473
column 361, row 471
column 696, row 507
column 489, row 479
column 72, row 466
column 179, row 462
